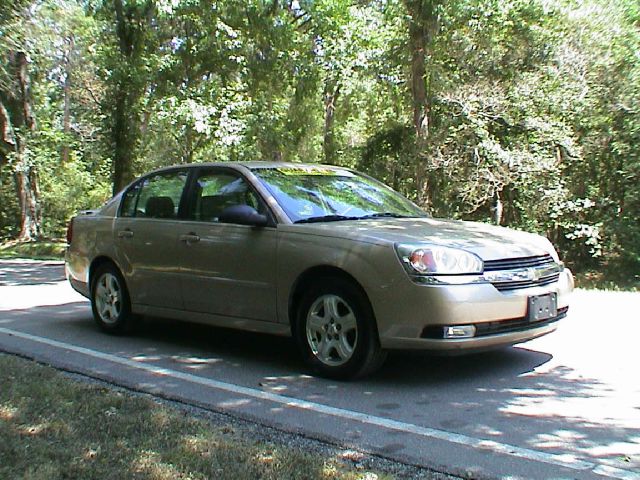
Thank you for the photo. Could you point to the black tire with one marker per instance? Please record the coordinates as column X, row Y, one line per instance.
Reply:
column 110, row 301
column 328, row 348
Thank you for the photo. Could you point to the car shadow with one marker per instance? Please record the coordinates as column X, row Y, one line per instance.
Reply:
column 250, row 347
column 410, row 368
column 281, row 354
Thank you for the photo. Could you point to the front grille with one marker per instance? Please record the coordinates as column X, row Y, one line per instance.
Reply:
column 502, row 286
column 516, row 263
column 524, row 272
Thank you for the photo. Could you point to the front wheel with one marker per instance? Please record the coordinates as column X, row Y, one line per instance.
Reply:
column 110, row 300
column 336, row 330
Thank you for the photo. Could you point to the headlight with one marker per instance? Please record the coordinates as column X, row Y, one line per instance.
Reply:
column 438, row 260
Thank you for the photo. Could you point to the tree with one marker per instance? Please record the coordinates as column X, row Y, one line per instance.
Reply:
column 128, row 52
column 196, row 94
column 17, row 120
column 524, row 113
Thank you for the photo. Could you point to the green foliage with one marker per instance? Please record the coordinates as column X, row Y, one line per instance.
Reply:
column 385, row 157
column 533, row 107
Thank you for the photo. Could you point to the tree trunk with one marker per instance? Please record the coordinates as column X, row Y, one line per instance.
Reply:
column 418, row 74
column 423, row 25
column 187, row 157
column 24, row 86
column 498, row 209
column 7, row 137
column 27, row 190
column 26, row 175
column 123, row 141
column 132, row 20
column 332, row 92
column 66, row 116
column 189, row 74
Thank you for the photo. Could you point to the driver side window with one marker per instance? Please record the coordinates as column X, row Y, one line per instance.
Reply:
column 216, row 191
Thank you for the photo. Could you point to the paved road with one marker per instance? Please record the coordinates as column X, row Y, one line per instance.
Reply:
column 566, row 406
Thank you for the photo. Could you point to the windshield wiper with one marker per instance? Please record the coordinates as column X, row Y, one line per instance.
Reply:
column 385, row 215
column 336, row 218
column 326, row 218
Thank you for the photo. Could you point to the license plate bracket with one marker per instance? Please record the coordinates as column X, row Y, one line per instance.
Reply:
column 543, row 307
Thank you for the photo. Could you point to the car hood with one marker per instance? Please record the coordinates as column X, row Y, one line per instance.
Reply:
column 489, row 242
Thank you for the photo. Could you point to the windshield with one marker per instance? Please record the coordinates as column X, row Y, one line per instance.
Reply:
column 309, row 194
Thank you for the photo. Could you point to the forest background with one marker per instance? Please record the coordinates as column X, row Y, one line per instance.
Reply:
column 524, row 113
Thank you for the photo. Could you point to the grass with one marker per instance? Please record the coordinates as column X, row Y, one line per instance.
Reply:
column 52, row 426
column 52, row 249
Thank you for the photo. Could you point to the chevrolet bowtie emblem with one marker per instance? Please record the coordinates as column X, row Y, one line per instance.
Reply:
column 533, row 274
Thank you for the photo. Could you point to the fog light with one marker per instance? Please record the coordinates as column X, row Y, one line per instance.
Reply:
column 459, row 331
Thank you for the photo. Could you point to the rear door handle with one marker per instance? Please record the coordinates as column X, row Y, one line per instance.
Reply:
column 125, row 233
column 189, row 238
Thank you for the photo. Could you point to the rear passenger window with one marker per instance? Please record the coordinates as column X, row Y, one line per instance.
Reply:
column 157, row 196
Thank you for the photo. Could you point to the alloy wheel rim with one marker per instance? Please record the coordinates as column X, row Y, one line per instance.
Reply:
column 108, row 298
column 332, row 330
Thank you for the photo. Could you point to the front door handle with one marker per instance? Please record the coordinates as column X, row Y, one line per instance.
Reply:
column 189, row 238
column 125, row 233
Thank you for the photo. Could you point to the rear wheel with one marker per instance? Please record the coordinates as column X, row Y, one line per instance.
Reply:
column 110, row 300
column 336, row 330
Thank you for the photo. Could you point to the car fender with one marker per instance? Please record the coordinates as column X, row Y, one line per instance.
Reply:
column 374, row 266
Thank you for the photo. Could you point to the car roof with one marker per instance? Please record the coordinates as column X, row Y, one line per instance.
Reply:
column 250, row 165
column 264, row 164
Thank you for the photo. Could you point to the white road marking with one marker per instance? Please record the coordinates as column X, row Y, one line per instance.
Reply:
column 567, row 461
column 614, row 472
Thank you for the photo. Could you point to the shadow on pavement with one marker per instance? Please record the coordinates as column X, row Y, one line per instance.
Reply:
column 26, row 272
column 497, row 395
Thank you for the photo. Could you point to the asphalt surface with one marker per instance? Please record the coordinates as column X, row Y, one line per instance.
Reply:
column 565, row 406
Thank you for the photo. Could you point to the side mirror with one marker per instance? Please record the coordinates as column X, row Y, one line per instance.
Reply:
column 243, row 215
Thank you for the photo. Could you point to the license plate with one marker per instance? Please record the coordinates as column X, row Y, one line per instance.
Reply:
column 543, row 307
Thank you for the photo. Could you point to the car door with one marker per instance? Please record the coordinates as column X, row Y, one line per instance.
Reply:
column 228, row 269
column 146, row 235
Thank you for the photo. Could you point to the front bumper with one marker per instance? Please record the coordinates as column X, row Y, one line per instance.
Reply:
column 500, row 317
